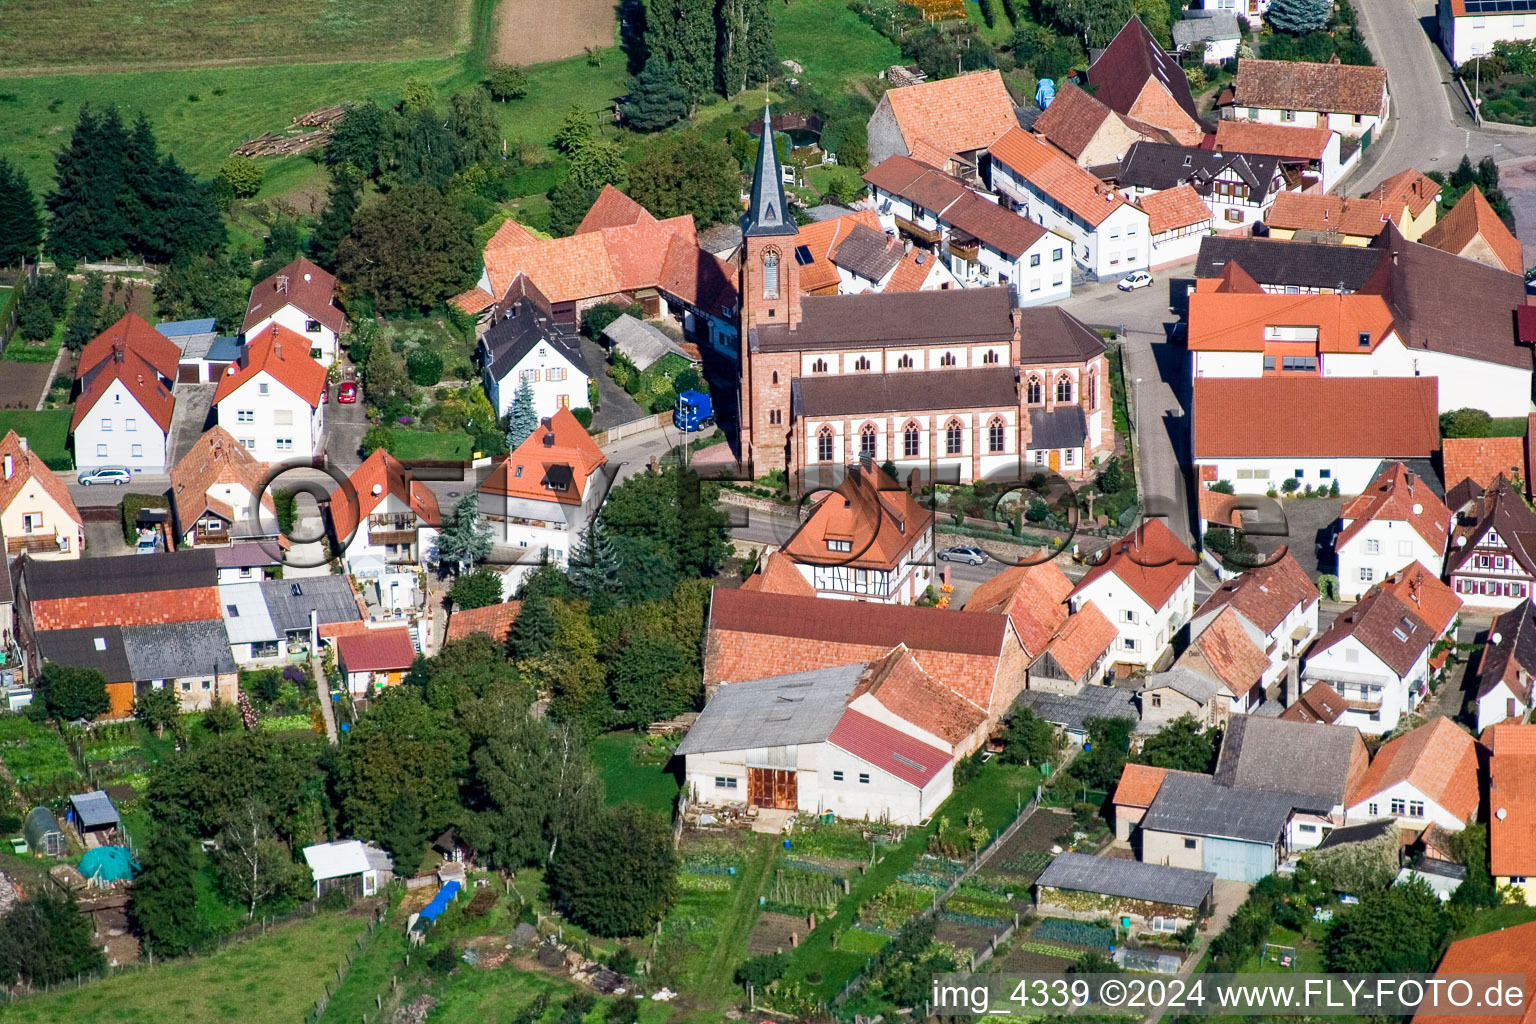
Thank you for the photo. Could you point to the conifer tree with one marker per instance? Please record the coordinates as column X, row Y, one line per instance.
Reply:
column 164, row 899
column 683, row 32
column 81, row 325
column 85, row 217
column 594, row 563
column 533, row 631
column 1299, row 16
column 464, row 538
column 21, row 228
column 342, row 201
column 656, row 98
column 523, row 419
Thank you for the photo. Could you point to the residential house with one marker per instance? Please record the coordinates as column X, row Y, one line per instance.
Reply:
column 213, row 492
column 619, row 253
column 1469, row 28
column 1211, row 35
column 37, row 515
column 245, row 562
column 1109, row 233
column 1184, row 690
column 1351, row 99
column 203, row 353
column 1503, row 950
column 524, row 344
column 494, row 620
column 1276, row 605
column 375, row 658
column 190, row 658
column 1396, row 521
column 546, row 492
column 1259, row 432
column 1197, row 824
column 898, row 691
column 866, row 540
column 1379, row 655
column 1319, row 705
column 1473, row 231
column 1135, row 77
column 271, row 401
column 269, row 622
column 954, row 118
column 1471, row 464
column 1512, row 806
column 1427, row 776
column 1421, row 313
column 1491, row 562
column 1144, row 584
column 1507, row 666
column 1134, row 793
column 1226, row 652
column 1067, row 651
column 1289, row 267
column 1237, row 189
column 1089, row 132
column 302, row 298
column 1334, row 219
column 384, row 515
column 123, row 404
column 1313, row 158
column 1071, row 712
column 1079, row 654
column 1418, row 194
column 1164, row 899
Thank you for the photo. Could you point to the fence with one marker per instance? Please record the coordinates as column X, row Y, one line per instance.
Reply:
column 358, row 946
column 640, row 426
column 12, row 304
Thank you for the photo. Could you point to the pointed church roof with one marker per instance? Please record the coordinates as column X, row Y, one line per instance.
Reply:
column 767, row 213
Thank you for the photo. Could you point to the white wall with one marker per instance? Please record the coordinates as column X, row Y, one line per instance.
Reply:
column 1118, row 245
column 322, row 340
column 118, row 432
column 1351, row 657
column 1344, row 124
column 548, row 395
column 271, row 418
column 1178, row 246
column 1143, row 633
column 1382, row 547
column 1362, row 809
column 1494, row 707
column 1256, row 476
column 1473, row 35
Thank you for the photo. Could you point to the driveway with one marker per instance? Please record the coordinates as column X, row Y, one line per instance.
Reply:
column 104, row 540
column 194, row 411
column 345, row 425
column 615, row 404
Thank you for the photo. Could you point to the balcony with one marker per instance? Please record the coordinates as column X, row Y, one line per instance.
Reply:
column 377, row 536
column 963, row 246
column 210, row 538
column 38, row 544
column 397, row 522
column 931, row 236
column 537, row 524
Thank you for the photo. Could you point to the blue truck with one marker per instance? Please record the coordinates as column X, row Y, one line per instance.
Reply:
column 693, row 412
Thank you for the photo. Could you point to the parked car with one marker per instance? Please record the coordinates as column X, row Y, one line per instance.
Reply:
column 347, row 393
column 1130, row 282
column 105, row 475
column 964, row 553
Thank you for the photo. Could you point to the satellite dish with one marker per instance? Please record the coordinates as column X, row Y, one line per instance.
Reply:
column 1461, row 542
column 1496, row 639
column 1418, row 509
column 1501, row 814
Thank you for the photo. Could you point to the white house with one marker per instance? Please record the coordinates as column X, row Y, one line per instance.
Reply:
column 1178, row 220
column 270, row 622
column 1396, row 522
column 1378, row 654
column 37, row 515
column 1276, row 605
column 302, row 298
column 793, row 742
column 1424, row 777
column 350, row 865
column 1212, row 35
column 1469, row 28
column 545, row 493
column 371, row 659
column 123, row 407
column 1351, row 99
column 385, row 515
column 1110, row 235
column 525, row 345
column 1145, row 585
column 212, row 487
column 271, row 400
column 1508, row 663
column 1237, row 189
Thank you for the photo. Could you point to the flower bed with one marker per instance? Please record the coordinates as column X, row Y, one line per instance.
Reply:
column 894, row 905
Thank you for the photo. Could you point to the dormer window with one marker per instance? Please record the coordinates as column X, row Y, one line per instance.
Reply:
column 839, row 545
column 1365, row 339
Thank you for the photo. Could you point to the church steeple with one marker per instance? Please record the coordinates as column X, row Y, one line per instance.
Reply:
column 766, row 213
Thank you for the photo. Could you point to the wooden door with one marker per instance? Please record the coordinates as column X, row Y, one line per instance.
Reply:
column 769, row 787
column 1055, row 460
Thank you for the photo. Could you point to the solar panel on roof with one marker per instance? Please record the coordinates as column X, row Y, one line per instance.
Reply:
column 803, row 254
column 909, row 762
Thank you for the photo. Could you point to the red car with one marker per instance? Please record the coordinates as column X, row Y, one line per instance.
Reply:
column 347, row 393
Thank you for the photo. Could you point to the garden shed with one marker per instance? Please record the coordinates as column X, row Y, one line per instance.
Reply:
column 641, row 343
column 1153, row 896
column 94, row 818
column 349, row 864
column 44, row 836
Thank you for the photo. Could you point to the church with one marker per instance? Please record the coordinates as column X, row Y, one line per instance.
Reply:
column 955, row 384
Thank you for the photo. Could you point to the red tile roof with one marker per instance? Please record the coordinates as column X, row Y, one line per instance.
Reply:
column 560, row 447
column 1072, row 120
column 377, row 650
column 778, row 575
column 1426, row 594
column 284, row 356
column 1481, row 459
column 954, row 115
column 821, row 238
column 28, row 467
column 876, row 516
column 302, row 285
column 1224, row 651
column 912, row 273
column 1043, row 166
column 1133, row 62
column 613, row 209
column 1319, row 704
column 1033, row 596
column 132, row 334
column 857, row 622
column 1008, row 233
column 476, row 300
column 1286, row 141
column 1472, row 218
column 1139, row 784
column 1309, row 211
column 1085, row 637
column 1439, row 759
column 1398, row 495
column 215, row 458
column 1319, row 417
column 902, row 686
column 1296, row 85
column 1150, row 560
column 1233, row 320
column 1383, row 625
column 1266, row 594
column 894, row 752
column 1504, row 951
column 380, row 476
column 1172, row 208
column 1511, row 799
column 138, row 377
column 1411, row 188
column 494, row 620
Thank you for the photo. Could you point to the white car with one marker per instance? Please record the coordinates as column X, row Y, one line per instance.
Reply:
column 104, row 475
column 1140, row 279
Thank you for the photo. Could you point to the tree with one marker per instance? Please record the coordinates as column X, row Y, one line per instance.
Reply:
column 244, row 176
column 689, row 176
column 412, row 250
column 523, row 419
column 163, row 900
column 594, row 564
column 45, row 940
column 34, row 318
column 1095, row 22
column 1110, row 742
column 424, row 367
column 1299, row 17
column 1181, row 745
column 1029, row 739
column 358, row 139
column 656, row 98
column 251, row 865
column 201, row 286
column 342, row 200
column 80, row 327
column 616, row 875
column 21, row 226
column 472, row 120
column 464, row 537
column 1465, row 423
column 683, row 33
column 533, row 631
column 417, row 94
column 744, row 44
column 85, row 216
column 653, row 679
column 507, row 81
column 157, row 708
column 593, row 165
column 477, row 589
column 278, row 249
column 420, row 150
column 1398, row 929
column 384, row 374
column 532, row 784
column 665, row 527
column 576, row 131
column 71, row 693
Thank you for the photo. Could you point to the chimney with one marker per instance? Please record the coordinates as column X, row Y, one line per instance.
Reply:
column 24, row 445
column 549, row 432
column 277, row 349
column 282, row 284
column 1414, row 583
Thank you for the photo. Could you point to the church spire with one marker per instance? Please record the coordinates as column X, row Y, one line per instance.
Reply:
column 767, row 213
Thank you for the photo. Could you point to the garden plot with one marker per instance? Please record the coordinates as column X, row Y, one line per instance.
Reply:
column 113, row 756
column 843, row 846
column 37, row 761
column 775, row 932
column 713, row 911
column 1028, row 850
column 1025, row 958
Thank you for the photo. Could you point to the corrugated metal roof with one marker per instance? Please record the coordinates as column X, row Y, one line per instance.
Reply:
column 779, row 711
column 1195, row 805
column 1131, row 879
column 94, row 809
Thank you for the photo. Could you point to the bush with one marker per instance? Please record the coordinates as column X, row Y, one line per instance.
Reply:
column 1290, row 485
column 583, row 416
column 444, row 960
column 595, row 320
column 131, row 506
column 424, row 367
column 1465, row 423
column 335, row 899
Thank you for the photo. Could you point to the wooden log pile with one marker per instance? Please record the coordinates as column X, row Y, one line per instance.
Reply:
column 273, row 144
column 321, row 117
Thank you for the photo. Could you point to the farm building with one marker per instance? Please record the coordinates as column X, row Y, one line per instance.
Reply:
column 349, row 864
column 1195, row 823
column 1141, row 895
column 94, row 818
column 44, row 836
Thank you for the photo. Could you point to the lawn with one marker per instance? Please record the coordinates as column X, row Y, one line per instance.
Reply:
column 708, row 929
column 626, row 781
column 271, row 979
column 1498, row 917
column 832, row 43
column 423, row 444
column 47, row 432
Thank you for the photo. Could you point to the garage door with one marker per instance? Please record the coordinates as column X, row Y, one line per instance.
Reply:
column 1238, row 861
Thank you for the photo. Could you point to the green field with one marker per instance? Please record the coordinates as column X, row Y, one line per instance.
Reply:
column 271, row 979
column 47, row 33
column 422, row 444
column 45, row 431
column 832, row 43
column 624, row 782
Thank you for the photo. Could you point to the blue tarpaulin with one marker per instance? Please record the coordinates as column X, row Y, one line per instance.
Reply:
column 440, row 902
